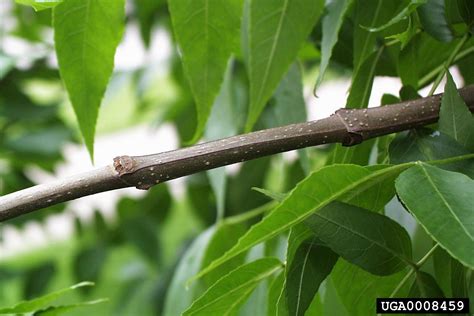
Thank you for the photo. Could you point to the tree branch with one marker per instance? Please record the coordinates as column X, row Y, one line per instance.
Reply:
column 347, row 126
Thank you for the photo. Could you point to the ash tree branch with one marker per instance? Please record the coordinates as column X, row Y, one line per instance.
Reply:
column 347, row 126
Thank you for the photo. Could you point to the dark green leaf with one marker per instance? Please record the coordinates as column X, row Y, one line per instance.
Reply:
column 332, row 22
column 358, row 289
column 455, row 119
column 276, row 297
column 441, row 201
column 408, row 66
column 277, row 31
column 450, row 274
column 88, row 263
column 359, row 98
column 227, row 294
column 433, row 19
column 207, row 34
column 310, row 266
column 310, row 195
column 425, row 285
column 370, row 240
column 86, row 34
column 38, row 279
column 425, row 145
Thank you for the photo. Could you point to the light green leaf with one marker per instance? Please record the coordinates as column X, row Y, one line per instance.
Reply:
column 221, row 124
column 358, row 289
column 313, row 193
column 332, row 22
column 39, row 5
column 41, row 302
column 455, row 119
column 227, row 294
column 370, row 240
column 62, row 309
column 409, row 9
column 207, row 32
column 86, row 35
column 277, row 31
column 179, row 296
column 441, row 201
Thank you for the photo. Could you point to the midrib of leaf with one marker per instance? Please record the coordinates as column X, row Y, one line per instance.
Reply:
column 453, row 115
column 376, row 15
column 445, row 202
column 238, row 301
column 272, row 52
column 206, row 39
column 300, row 285
column 258, row 277
column 371, row 74
column 408, row 262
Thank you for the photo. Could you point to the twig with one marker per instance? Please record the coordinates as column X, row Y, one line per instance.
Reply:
column 347, row 126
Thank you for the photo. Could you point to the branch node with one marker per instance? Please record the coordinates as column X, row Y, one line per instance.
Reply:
column 124, row 165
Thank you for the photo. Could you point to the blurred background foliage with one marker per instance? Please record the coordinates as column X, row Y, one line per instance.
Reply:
column 133, row 254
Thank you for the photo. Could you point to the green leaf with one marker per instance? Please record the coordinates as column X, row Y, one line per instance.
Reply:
column 39, row 5
column 89, row 262
column 62, row 309
column 405, row 37
column 425, row 285
column 86, row 35
column 370, row 240
column 277, row 31
column 450, row 274
column 409, row 9
column 359, row 96
column 310, row 266
column 41, row 302
column 455, row 119
column 178, row 296
column 276, row 297
column 425, row 145
column 433, row 19
column 358, row 289
column 441, row 201
column 288, row 106
column 227, row 294
column 207, row 33
column 370, row 13
column 332, row 22
column 310, row 195
column 221, row 124
column 408, row 66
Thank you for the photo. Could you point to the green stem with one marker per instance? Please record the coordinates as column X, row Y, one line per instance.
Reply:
column 248, row 215
column 418, row 265
column 427, row 78
column 422, row 261
column 449, row 61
